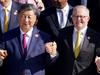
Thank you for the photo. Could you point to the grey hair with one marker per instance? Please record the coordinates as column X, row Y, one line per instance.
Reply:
column 27, row 7
column 82, row 7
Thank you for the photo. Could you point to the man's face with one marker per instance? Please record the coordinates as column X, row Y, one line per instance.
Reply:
column 80, row 18
column 59, row 3
column 5, row 3
column 27, row 20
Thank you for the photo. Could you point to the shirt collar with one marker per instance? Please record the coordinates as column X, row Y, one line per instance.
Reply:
column 28, row 34
column 83, row 31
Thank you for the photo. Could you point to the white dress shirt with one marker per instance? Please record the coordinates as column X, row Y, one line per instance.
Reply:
column 83, row 32
column 28, row 37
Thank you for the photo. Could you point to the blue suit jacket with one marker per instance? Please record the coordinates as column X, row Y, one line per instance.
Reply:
column 36, row 59
column 13, row 21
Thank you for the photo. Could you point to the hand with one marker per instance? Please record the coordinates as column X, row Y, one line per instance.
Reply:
column 97, row 61
column 3, row 54
column 40, row 5
column 51, row 48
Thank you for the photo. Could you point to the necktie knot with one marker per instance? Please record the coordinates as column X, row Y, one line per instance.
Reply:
column 24, row 40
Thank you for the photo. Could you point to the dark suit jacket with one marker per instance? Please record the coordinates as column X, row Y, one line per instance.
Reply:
column 35, row 61
column 48, row 21
column 13, row 21
column 85, row 64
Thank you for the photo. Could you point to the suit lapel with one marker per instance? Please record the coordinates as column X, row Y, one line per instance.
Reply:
column 13, row 16
column 53, row 20
column 69, row 20
column 33, row 42
column 18, row 41
column 87, row 38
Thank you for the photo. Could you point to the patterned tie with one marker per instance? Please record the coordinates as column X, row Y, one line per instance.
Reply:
column 5, row 20
column 77, row 45
column 24, row 45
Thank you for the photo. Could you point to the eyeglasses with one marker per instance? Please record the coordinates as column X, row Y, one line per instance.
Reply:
column 79, row 16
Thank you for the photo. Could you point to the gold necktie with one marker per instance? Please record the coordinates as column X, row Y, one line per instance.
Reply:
column 77, row 45
column 5, row 20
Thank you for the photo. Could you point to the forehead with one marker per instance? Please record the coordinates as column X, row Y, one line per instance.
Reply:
column 27, row 12
column 80, row 11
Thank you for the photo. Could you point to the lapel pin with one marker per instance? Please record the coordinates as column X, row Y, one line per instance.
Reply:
column 15, row 12
column 88, row 37
column 36, row 35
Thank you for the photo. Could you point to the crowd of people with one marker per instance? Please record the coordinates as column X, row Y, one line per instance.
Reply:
column 49, row 37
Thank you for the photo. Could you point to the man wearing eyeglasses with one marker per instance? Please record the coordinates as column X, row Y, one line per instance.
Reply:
column 82, row 59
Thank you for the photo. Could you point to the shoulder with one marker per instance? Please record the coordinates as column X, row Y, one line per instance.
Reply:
column 95, row 36
column 48, row 11
column 66, row 29
column 10, row 34
column 16, row 5
column 42, row 35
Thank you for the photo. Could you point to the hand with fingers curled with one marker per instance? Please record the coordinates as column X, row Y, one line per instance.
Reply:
column 97, row 61
column 3, row 54
column 51, row 48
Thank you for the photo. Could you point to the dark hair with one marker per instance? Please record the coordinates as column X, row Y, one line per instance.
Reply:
column 27, row 7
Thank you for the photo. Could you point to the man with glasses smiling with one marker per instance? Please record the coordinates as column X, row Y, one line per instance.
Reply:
column 84, row 59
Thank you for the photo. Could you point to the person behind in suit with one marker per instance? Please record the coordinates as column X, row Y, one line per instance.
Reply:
column 80, row 60
column 77, row 2
column 12, row 9
column 47, row 3
column 55, row 18
column 84, row 2
column 28, row 56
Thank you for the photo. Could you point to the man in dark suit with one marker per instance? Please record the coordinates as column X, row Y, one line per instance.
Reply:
column 26, row 55
column 82, row 63
column 49, row 20
column 12, row 9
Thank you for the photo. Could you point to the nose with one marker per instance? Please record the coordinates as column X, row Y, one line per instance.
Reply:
column 79, row 18
column 26, row 18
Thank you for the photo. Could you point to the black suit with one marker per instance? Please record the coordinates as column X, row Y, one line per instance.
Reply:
column 48, row 21
column 85, row 62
